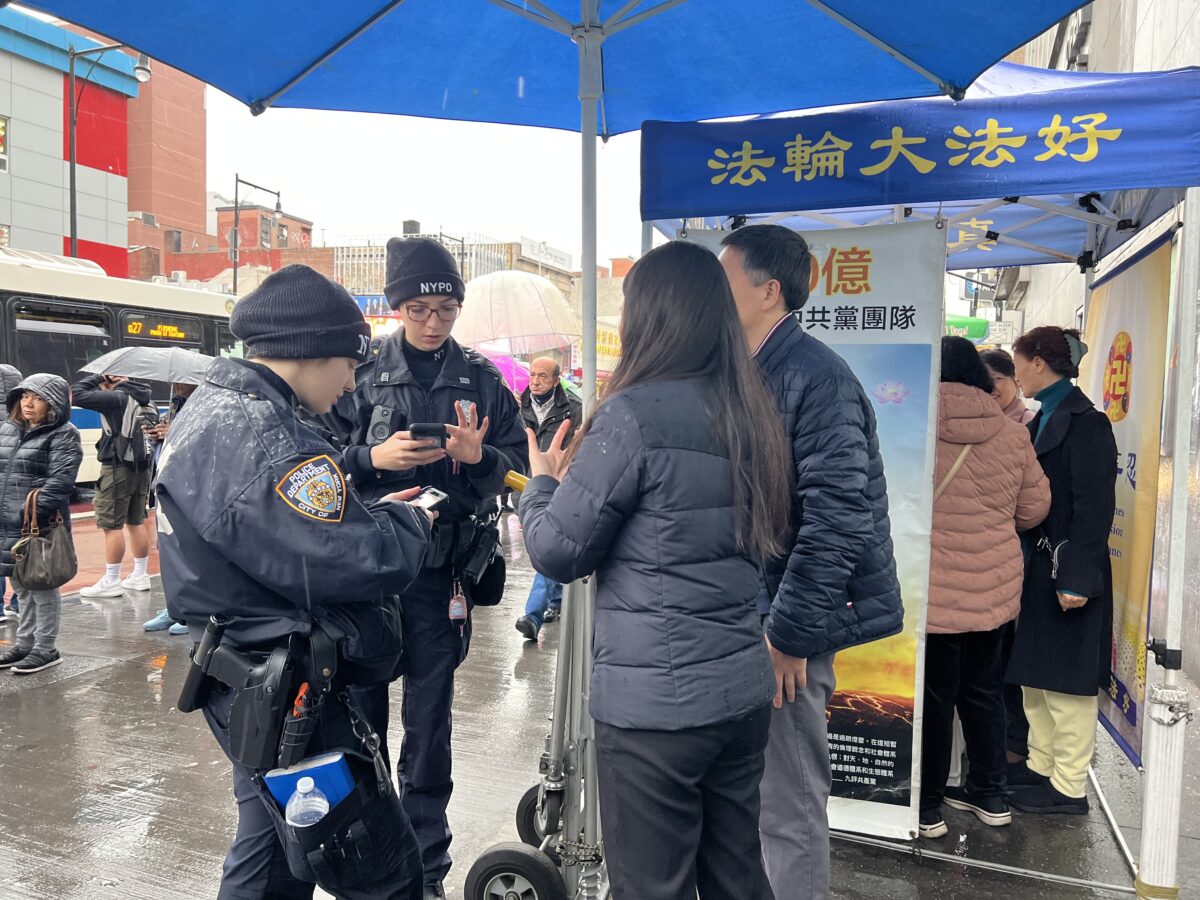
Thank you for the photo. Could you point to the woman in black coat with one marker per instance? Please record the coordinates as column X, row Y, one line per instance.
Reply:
column 1063, row 646
column 39, row 448
column 677, row 486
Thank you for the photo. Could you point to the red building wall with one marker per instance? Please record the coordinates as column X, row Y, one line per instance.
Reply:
column 113, row 260
column 102, row 128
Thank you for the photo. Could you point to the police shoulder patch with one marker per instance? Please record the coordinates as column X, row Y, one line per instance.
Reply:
column 316, row 488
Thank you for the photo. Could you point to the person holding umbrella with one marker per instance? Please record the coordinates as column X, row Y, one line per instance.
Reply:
column 123, row 492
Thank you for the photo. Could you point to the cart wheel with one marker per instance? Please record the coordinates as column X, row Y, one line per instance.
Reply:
column 532, row 825
column 514, row 872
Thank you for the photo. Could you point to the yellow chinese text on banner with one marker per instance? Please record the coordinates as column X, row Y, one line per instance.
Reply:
column 1123, row 375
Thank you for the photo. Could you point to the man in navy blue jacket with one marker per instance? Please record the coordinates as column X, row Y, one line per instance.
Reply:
column 838, row 586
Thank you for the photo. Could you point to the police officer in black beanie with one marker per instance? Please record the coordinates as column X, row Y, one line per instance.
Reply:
column 258, row 524
column 422, row 376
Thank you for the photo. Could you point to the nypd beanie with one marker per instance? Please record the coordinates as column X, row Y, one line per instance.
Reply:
column 298, row 313
column 420, row 267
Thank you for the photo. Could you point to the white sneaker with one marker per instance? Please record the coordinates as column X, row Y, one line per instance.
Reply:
column 137, row 583
column 103, row 588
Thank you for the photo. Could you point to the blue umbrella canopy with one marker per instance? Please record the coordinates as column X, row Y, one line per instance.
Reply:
column 599, row 66
column 514, row 62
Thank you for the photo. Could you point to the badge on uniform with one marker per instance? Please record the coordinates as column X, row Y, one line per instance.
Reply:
column 316, row 488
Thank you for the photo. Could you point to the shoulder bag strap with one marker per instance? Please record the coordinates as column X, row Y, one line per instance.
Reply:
column 962, row 457
column 29, row 524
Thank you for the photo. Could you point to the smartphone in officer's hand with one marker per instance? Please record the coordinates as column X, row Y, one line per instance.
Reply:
column 428, row 431
column 429, row 499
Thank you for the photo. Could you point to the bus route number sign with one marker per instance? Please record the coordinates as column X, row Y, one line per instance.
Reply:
column 156, row 329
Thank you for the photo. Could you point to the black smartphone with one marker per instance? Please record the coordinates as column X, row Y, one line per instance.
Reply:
column 428, row 431
column 430, row 498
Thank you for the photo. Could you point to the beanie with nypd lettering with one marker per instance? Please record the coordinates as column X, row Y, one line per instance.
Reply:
column 420, row 267
column 298, row 313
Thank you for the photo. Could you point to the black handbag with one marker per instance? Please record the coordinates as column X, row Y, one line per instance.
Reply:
column 44, row 560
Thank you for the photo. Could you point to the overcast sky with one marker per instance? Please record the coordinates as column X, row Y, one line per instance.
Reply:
column 359, row 176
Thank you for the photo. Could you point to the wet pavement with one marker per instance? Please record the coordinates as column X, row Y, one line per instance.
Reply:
column 106, row 791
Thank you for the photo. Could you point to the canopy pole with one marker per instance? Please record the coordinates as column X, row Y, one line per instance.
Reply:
column 647, row 237
column 1089, row 273
column 589, row 40
column 1168, row 707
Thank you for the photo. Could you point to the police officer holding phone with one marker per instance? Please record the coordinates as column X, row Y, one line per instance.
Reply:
column 262, row 536
column 429, row 412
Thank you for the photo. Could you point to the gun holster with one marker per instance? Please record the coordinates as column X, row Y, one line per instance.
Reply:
column 263, row 685
column 264, row 729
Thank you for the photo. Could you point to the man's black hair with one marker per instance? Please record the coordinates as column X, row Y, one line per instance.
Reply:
column 774, row 252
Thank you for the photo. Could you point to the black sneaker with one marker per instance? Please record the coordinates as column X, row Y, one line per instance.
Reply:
column 11, row 657
column 552, row 614
column 36, row 661
column 992, row 811
column 932, row 824
column 1021, row 778
column 433, row 892
column 1046, row 800
column 528, row 628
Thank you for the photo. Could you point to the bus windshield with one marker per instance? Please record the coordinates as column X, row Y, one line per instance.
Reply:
column 57, row 339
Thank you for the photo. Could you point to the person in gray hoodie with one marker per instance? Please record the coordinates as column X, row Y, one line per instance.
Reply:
column 39, row 450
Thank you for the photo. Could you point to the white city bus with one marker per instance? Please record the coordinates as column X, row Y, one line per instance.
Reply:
column 57, row 314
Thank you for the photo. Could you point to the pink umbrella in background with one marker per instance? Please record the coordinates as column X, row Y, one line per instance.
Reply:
column 515, row 372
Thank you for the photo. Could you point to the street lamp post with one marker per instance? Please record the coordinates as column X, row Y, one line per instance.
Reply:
column 141, row 71
column 236, row 238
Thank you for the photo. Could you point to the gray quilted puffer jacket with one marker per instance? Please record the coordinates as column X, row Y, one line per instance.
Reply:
column 46, row 457
column 648, row 505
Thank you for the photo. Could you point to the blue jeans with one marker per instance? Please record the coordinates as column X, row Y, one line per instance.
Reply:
column 543, row 594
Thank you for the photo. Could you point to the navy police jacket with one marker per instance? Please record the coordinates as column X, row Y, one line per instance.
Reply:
column 385, row 382
column 837, row 587
column 258, row 522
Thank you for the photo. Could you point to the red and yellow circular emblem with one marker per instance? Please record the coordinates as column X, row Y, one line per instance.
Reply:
column 1118, row 377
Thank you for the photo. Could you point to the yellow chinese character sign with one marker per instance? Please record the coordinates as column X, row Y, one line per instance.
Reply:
column 827, row 157
column 744, row 167
column 1019, row 132
column 1058, row 136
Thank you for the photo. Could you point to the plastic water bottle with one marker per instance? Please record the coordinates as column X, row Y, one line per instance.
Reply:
column 307, row 805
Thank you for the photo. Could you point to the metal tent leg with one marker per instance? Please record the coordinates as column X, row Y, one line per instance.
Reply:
column 1167, row 702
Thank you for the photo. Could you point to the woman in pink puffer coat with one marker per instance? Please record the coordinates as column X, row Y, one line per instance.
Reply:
column 988, row 486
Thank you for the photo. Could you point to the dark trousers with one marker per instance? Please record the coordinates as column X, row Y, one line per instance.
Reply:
column 1014, row 703
column 964, row 672
column 433, row 648
column 255, row 867
column 680, row 810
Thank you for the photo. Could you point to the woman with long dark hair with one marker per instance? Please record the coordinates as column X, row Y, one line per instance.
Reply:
column 1061, row 653
column 676, row 485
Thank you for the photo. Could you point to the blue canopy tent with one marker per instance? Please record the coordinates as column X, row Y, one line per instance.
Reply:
column 1031, row 167
column 600, row 66
column 1034, row 166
